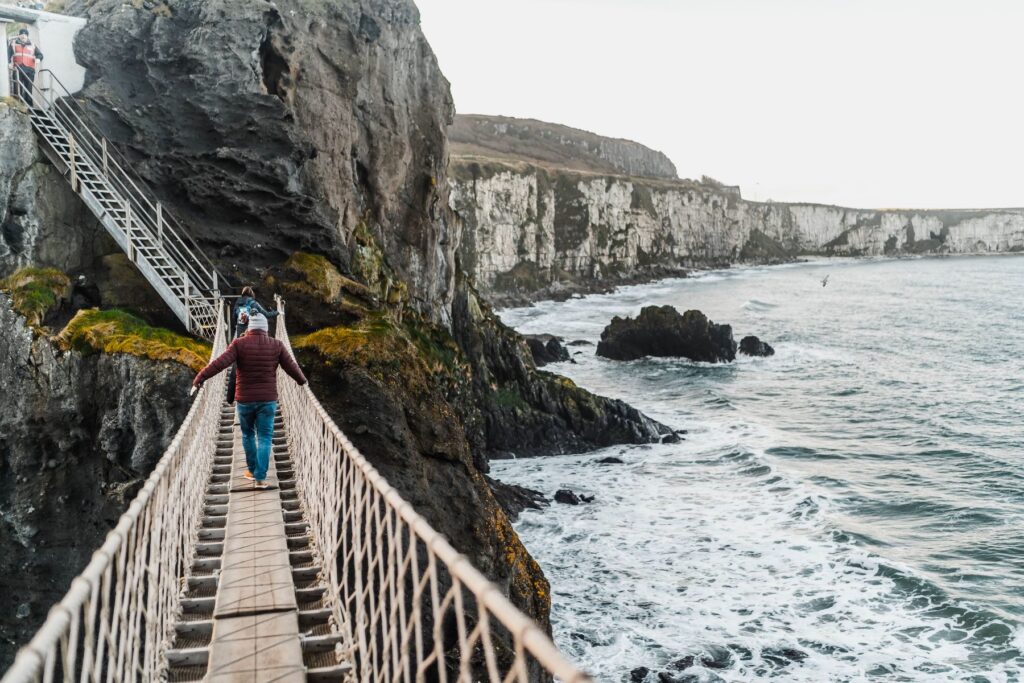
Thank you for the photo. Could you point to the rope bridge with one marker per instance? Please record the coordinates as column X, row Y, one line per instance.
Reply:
column 393, row 601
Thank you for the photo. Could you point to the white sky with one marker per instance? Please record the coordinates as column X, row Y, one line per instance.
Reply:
column 864, row 103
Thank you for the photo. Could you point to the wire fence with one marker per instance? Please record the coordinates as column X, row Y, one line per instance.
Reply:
column 409, row 606
column 117, row 620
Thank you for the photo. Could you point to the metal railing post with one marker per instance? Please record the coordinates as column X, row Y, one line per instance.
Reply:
column 160, row 224
column 188, row 306
column 74, row 165
column 128, row 229
column 103, row 144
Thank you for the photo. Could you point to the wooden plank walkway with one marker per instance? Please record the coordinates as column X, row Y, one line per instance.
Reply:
column 255, row 627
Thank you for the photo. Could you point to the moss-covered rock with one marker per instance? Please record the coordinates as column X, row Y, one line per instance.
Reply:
column 35, row 292
column 117, row 331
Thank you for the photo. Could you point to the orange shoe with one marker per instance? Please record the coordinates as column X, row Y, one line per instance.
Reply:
column 247, row 475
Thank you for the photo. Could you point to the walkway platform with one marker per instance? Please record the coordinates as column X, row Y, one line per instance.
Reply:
column 255, row 626
column 254, row 609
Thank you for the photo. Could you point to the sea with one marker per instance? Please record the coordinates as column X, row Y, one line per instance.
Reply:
column 849, row 509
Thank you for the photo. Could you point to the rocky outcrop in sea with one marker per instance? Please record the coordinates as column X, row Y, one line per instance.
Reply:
column 663, row 331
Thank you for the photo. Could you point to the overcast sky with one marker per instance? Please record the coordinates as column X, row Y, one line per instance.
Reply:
column 865, row 103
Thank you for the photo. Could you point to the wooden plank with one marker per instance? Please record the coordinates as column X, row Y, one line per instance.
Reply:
column 256, row 572
column 258, row 647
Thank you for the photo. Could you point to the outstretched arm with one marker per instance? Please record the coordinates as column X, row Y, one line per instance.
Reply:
column 218, row 364
column 290, row 366
column 260, row 309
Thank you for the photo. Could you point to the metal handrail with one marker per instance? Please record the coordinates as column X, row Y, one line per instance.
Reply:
column 149, row 211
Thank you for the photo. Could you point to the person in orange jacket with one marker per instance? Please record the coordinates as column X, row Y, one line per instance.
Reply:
column 24, row 56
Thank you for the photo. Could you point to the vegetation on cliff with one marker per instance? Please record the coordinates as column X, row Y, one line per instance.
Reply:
column 35, row 292
column 117, row 331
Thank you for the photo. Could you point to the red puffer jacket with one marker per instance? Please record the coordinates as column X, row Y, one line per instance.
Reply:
column 258, row 356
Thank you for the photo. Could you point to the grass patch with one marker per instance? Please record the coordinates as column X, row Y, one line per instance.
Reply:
column 117, row 331
column 36, row 291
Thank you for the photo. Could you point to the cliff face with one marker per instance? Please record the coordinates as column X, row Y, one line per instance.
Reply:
column 318, row 128
column 533, row 231
column 78, row 435
column 503, row 137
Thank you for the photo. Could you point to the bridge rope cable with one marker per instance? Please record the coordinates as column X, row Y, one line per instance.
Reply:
column 117, row 620
column 410, row 606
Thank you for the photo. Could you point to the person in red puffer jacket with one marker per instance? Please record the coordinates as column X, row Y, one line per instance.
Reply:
column 258, row 355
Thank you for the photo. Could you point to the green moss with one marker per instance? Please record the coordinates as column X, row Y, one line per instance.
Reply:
column 509, row 397
column 36, row 291
column 117, row 331
column 317, row 277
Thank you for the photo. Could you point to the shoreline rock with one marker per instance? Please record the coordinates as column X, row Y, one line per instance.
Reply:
column 546, row 348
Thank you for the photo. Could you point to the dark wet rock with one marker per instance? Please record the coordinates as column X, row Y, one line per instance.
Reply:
column 638, row 674
column 546, row 349
column 783, row 656
column 610, row 460
column 674, row 437
column 716, row 657
column 567, row 497
column 702, row 677
column 752, row 346
column 580, row 342
column 662, row 331
column 513, row 499
column 684, row 663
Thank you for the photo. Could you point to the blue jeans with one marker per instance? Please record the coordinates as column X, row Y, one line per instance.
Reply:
column 257, row 422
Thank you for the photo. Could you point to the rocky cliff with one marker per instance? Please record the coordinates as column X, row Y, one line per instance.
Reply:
column 534, row 231
column 307, row 150
column 78, row 435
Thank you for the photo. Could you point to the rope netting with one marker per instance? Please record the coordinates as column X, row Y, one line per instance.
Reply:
column 117, row 620
column 409, row 607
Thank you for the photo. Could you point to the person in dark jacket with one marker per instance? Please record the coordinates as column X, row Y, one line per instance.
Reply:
column 247, row 302
column 257, row 356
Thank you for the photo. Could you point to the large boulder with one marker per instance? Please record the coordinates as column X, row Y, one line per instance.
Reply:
column 662, row 331
column 752, row 346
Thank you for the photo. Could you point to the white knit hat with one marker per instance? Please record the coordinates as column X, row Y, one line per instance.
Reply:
column 258, row 321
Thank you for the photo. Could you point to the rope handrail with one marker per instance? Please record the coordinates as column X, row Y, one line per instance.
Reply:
column 409, row 605
column 117, row 619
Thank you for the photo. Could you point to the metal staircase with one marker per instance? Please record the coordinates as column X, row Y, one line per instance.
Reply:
column 153, row 240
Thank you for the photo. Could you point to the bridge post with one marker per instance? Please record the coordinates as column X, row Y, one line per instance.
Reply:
column 103, row 144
